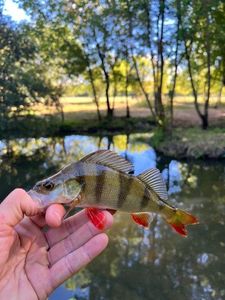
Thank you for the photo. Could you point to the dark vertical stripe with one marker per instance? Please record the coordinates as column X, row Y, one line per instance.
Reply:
column 100, row 182
column 124, row 189
column 145, row 198
column 81, row 177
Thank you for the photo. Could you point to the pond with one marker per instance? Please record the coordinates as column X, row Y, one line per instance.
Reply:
column 138, row 263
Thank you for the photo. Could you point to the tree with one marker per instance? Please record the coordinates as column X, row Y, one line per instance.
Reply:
column 22, row 78
column 176, row 37
column 96, row 29
column 197, row 28
column 151, row 34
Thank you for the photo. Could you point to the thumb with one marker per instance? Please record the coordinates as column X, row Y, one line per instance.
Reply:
column 17, row 204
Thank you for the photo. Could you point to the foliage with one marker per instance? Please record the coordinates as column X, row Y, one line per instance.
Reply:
column 152, row 48
column 157, row 138
column 23, row 80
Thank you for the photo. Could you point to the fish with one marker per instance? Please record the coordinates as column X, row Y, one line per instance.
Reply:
column 104, row 180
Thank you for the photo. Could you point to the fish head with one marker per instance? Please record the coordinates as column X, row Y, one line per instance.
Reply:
column 55, row 189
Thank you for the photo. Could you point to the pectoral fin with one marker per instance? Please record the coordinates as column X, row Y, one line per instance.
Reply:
column 97, row 217
column 144, row 218
column 72, row 205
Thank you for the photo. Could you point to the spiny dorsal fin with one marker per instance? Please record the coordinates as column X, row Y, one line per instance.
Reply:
column 109, row 159
column 153, row 179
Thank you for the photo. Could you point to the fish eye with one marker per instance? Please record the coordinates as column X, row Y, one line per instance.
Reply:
column 48, row 185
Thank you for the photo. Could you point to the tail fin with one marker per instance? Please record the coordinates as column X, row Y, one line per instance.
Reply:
column 179, row 221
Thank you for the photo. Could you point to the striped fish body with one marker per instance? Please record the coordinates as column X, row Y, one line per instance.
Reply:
column 103, row 187
column 102, row 180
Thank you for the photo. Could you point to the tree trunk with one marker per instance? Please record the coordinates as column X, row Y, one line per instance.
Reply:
column 126, row 92
column 208, row 51
column 95, row 98
column 142, row 88
column 62, row 112
column 114, row 90
column 107, row 79
column 127, row 103
column 205, row 122
column 159, row 105
column 218, row 103
column 172, row 92
column 188, row 51
column 92, row 81
column 109, row 109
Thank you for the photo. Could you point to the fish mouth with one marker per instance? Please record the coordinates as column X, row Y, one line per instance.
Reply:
column 37, row 197
column 45, row 200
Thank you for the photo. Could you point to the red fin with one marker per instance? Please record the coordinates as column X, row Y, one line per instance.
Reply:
column 180, row 219
column 97, row 217
column 180, row 229
column 143, row 219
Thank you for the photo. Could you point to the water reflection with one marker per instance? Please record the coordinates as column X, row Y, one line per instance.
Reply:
column 138, row 264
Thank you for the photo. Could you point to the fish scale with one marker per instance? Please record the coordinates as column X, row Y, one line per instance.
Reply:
column 102, row 180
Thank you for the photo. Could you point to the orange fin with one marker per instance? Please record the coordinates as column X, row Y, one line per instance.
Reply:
column 97, row 217
column 144, row 219
column 179, row 221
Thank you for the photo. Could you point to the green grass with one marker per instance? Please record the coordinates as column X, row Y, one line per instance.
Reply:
column 82, row 119
column 34, row 126
column 108, row 126
column 191, row 143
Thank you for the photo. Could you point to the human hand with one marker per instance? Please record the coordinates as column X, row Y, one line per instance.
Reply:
column 33, row 262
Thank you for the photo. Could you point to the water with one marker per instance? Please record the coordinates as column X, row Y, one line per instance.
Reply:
column 138, row 264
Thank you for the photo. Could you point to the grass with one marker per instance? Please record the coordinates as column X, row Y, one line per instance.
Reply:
column 34, row 126
column 187, row 139
column 191, row 143
column 84, row 108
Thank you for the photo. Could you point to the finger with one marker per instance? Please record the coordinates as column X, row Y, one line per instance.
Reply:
column 76, row 239
column 73, row 262
column 39, row 220
column 54, row 215
column 17, row 204
column 68, row 226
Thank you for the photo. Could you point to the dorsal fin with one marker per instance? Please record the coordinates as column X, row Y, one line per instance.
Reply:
column 109, row 159
column 153, row 179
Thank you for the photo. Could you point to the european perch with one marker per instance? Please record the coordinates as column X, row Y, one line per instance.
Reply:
column 103, row 180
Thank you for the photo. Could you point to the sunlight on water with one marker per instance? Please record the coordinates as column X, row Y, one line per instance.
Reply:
column 138, row 264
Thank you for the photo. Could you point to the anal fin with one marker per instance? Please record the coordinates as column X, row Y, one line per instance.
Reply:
column 143, row 218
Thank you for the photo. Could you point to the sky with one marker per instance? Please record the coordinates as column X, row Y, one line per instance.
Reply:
column 11, row 8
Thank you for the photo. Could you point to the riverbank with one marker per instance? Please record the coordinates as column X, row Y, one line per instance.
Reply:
column 33, row 126
column 193, row 143
column 186, row 141
column 183, row 142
